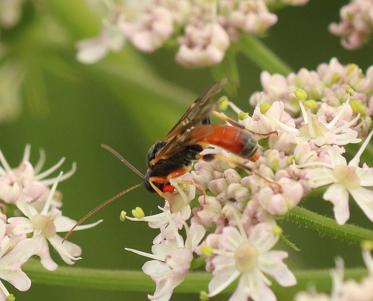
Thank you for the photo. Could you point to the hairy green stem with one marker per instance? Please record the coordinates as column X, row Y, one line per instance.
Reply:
column 255, row 50
column 135, row 281
column 326, row 226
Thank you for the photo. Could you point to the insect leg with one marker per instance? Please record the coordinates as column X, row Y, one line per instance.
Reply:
column 232, row 122
column 191, row 182
column 225, row 118
column 236, row 163
column 159, row 180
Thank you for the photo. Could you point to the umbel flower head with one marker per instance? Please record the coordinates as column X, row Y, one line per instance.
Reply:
column 356, row 25
column 202, row 29
column 304, row 124
column 36, row 222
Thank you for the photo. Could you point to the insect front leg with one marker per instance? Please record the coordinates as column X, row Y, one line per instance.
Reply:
column 158, row 180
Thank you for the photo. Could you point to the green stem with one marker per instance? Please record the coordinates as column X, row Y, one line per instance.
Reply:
column 135, row 281
column 255, row 50
column 326, row 226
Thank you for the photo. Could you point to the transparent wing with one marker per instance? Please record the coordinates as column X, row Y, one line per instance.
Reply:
column 180, row 135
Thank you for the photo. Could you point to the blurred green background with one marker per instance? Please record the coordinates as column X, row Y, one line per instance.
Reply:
column 129, row 100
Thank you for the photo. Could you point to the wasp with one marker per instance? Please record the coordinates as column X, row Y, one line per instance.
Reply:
column 172, row 156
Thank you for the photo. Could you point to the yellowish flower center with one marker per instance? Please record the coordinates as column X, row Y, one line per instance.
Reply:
column 44, row 224
column 346, row 176
column 246, row 256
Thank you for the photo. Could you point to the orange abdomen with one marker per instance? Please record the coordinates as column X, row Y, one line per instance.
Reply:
column 232, row 139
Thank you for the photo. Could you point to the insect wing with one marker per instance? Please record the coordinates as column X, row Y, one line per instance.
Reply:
column 199, row 110
column 180, row 135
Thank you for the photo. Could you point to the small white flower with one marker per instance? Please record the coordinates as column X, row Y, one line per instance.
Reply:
column 321, row 133
column 344, row 179
column 248, row 257
column 27, row 181
column 167, row 222
column 12, row 257
column 171, row 262
column 44, row 225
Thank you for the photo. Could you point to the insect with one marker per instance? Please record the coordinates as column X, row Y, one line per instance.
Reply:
column 172, row 156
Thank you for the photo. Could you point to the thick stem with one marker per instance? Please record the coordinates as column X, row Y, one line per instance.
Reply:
column 326, row 226
column 255, row 50
column 135, row 281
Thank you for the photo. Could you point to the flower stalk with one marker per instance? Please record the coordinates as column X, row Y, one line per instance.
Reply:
column 262, row 56
column 136, row 281
column 326, row 226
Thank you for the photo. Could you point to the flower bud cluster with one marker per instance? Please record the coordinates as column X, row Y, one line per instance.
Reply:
column 202, row 29
column 356, row 25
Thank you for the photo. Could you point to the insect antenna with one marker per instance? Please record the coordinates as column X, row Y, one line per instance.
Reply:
column 99, row 207
column 123, row 160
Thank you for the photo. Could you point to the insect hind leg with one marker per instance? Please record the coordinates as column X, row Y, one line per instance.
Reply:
column 234, row 123
column 273, row 184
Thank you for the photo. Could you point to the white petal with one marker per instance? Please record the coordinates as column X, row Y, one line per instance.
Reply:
column 17, row 278
column 45, row 258
column 263, row 237
column 20, row 254
column 242, row 292
column 26, row 209
column 196, row 233
column 356, row 160
column 230, row 239
column 68, row 251
column 259, row 290
column 364, row 198
column 271, row 263
column 2, row 229
column 365, row 175
column 338, row 195
column 156, row 269
column 92, row 50
column 64, row 224
column 148, row 255
column 320, row 176
column 221, row 280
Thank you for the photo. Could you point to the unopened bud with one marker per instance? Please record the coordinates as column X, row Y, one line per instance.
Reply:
column 207, row 251
column 300, row 94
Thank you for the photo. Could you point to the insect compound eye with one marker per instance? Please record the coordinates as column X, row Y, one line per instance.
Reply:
column 154, row 149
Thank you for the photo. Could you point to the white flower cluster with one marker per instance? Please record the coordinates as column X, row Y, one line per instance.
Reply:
column 31, row 220
column 356, row 24
column 303, row 124
column 203, row 29
column 345, row 290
